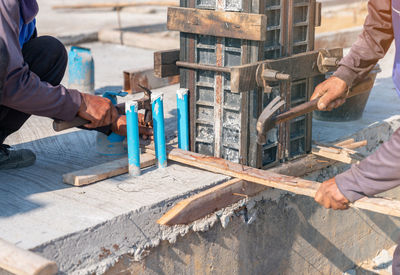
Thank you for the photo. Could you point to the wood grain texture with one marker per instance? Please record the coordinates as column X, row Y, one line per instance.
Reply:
column 146, row 78
column 23, row 262
column 165, row 63
column 218, row 23
column 343, row 155
column 209, row 201
column 105, row 171
column 282, row 182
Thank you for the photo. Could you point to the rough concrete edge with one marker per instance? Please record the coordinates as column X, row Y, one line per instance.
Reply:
column 144, row 220
column 224, row 215
column 81, row 245
column 69, row 40
column 343, row 38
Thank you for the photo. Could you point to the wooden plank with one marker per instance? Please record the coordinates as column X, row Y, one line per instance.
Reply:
column 105, row 171
column 23, row 262
column 165, row 63
column 241, row 25
column 114, row 5
column 343, row 155
column 355, row 145
column 282, row 182
column 245, row 77
column 209, row 201
column 145, row 78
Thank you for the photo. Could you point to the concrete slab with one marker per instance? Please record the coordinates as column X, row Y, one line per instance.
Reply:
column 88, row 229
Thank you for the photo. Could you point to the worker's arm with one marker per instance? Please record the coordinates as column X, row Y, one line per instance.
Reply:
column 24, row 91
column 377, row 173
column 370, row 46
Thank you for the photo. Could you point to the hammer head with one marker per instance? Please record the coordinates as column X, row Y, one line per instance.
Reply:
column 266, row 121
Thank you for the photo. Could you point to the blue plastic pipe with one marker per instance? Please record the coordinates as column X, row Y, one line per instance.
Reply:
column 159, row 129
column 132, row 127
column 182, row 97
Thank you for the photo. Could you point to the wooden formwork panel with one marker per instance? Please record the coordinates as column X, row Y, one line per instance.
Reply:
column 223, row 123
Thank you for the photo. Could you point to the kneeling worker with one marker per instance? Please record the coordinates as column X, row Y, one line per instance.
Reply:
column 31, row 69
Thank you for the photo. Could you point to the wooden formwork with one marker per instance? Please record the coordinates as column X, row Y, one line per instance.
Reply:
column 223, row 123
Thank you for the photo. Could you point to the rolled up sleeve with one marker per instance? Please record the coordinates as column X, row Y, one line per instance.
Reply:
column 371, row 45
column 377, row 173
column 23, row 89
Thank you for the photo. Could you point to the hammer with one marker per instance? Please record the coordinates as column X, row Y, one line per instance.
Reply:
column 269, row 117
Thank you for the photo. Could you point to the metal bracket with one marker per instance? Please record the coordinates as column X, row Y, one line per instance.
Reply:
column 300, row 66
column 326, row 62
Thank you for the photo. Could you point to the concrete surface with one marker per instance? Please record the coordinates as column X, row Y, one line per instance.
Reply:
column 110, row 226
column 89, row 229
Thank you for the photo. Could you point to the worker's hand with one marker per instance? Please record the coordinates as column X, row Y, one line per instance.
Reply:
column 98, row 110
column 332, row 92
column 119, row 127
column 329, row 196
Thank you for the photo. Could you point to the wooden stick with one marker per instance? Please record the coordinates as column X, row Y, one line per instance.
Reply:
column 336, row 154
column 286, row 183
column 115, row 5
column 345, row 142
column 23, row 262
column 209, row 201
column 105, row 171
column 356, row 145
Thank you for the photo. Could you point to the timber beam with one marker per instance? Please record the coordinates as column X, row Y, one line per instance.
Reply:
column 240, row 25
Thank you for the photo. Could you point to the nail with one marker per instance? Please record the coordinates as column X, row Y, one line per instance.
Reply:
column 321, row 106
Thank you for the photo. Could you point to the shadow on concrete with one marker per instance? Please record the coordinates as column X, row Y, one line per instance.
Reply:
column 56, row 155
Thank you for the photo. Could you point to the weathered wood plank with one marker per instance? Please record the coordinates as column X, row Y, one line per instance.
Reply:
column 209, row 201
column 241, row 25
column 282, row 182
column 343, row 155
column 146, row 78
column 105, row 171
column 245, row 77
column 165, row 63
column 19, row 261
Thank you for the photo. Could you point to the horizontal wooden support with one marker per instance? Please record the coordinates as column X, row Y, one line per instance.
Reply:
column 165, row 63
column 300, row 66
column 105, row 171
column 23, row 262
column 282, row 182
column 247, row 26
column 146, row 78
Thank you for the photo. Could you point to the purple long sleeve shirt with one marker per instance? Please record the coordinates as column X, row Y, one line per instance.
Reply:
column 23, row 90
column 380, row 171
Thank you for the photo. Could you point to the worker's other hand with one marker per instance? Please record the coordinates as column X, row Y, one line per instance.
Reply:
column 119, row 126
column 98, row 110
column 329, row 196
column 332, row 92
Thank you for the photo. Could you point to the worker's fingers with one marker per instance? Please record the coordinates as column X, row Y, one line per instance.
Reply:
column 319, row 91
column 329, row 91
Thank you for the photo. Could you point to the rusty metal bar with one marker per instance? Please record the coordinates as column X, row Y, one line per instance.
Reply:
column 195, row 66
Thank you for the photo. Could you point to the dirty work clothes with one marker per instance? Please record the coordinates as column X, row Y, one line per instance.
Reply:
column 47, row 58
column 23, row 89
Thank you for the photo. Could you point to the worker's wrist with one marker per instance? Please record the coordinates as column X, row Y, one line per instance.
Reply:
column 346, row 74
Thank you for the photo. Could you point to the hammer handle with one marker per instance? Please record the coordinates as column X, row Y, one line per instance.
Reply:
column 60, row 125
column 307, row 107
